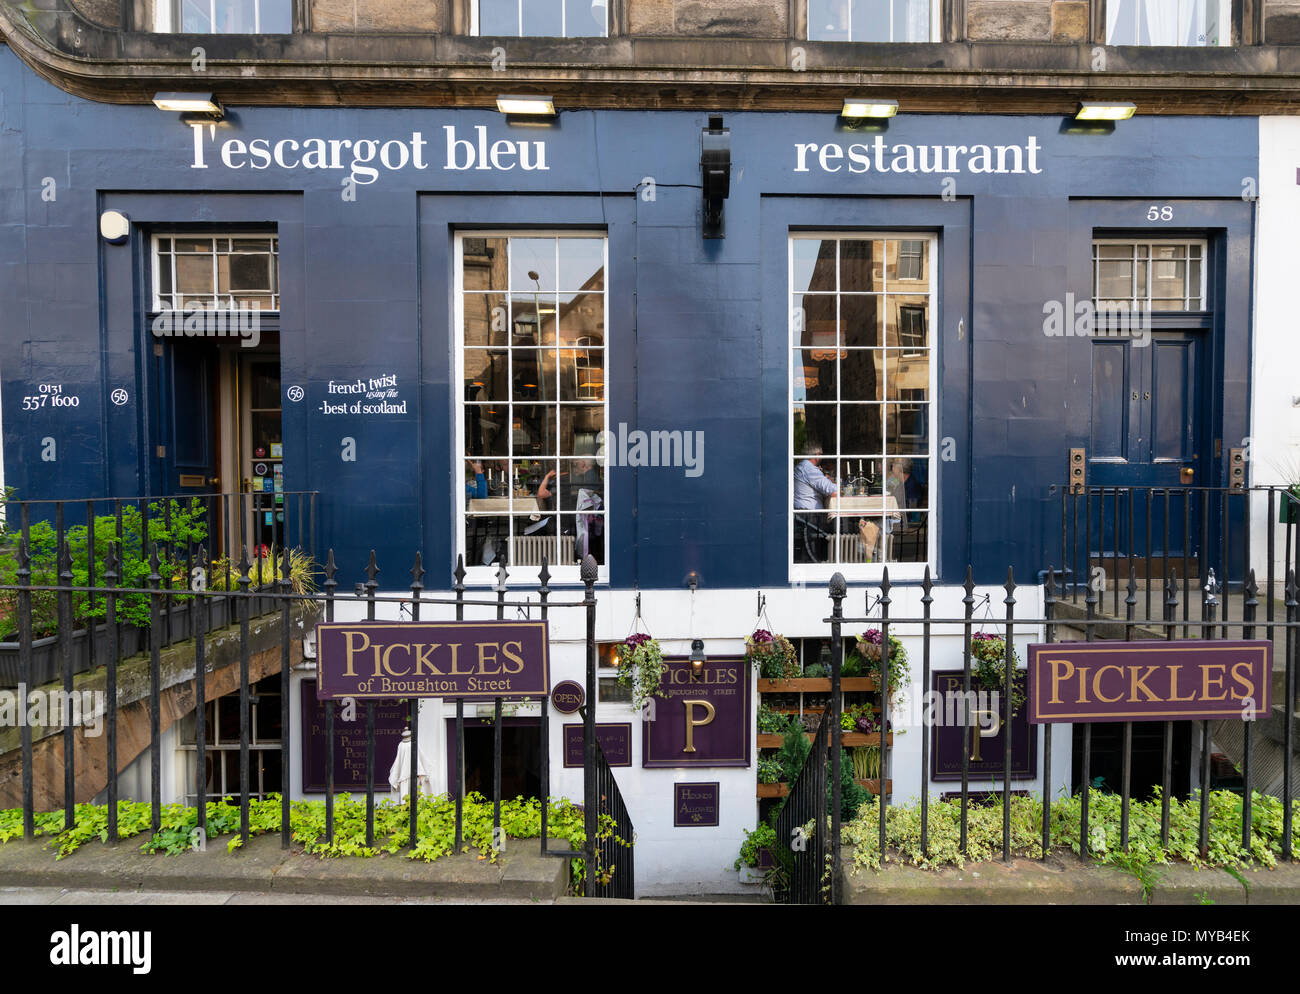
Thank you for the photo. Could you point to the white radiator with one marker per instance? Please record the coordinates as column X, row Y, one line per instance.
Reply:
column 530, row 550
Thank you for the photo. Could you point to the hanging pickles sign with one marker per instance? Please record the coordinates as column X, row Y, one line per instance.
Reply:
column 485, row 659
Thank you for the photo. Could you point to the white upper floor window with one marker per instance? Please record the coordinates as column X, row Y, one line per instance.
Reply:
column 540, row 18
column 225, row 17
column 873, row 20
column 1169, row 22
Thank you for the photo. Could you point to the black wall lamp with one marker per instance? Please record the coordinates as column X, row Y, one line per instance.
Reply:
column 715, row 171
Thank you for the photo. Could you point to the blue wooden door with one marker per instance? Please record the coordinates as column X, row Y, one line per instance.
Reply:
column 1147, row 451
column 190, row 388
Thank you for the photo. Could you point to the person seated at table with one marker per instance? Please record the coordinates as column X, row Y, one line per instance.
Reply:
column 583, row 490
column 478, row 488
column 812, row 490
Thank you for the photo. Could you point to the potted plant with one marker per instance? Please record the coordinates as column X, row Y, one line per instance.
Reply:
column 641, row 668
column 755, row 859
column 866, row 658
column 988, row 662
column 773, row 656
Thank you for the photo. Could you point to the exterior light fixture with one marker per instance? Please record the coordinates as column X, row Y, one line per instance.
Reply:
column 114, row 227
column 715, row 171
column 204, row 104
column 1092, row 111
column 697, row 655
column 860, row 107
column 527, row 106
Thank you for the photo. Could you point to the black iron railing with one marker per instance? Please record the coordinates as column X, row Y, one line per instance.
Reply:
column 613, row 872
column 802, row 831
column 178, row 578
column 1206, row 622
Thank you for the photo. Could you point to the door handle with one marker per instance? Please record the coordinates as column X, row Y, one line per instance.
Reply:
column 1185, row 475
column 214, row 481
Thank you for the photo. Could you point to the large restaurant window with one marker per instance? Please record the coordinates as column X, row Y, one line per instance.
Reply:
column 873, row 20
column 1149, row 275
column 862, row 397
column 1169, row 22
column 221, row 759
column 530, row 478
column 540, row 18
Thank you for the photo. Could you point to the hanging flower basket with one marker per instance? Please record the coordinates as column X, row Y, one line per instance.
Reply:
column 641, row 668
column 865, row 660
column 772, row 655
column 988, row 667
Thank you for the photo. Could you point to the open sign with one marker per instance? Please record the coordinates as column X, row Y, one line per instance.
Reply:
column 567, row 696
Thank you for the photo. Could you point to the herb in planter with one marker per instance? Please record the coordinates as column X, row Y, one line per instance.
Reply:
column 793, row 752
column 866, row 762
column 815, row 671
column 858, row 718
column 772, row 655
column 769, row 771
column 989, row 656
column 773, row 722
column 641, row 668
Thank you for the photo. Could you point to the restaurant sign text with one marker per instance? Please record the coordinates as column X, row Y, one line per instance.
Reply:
column 1149, row 681
column 484, row 659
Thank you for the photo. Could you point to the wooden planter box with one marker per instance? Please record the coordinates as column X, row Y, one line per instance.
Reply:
column 816, row 684
column 773, row 789
column 873, row 786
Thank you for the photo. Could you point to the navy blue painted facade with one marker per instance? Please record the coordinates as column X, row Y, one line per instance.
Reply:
column 698, row 330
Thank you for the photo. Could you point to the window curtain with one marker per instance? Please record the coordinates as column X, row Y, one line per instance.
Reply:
column 1162, row 22
column 918, row 20
column 1113, row 9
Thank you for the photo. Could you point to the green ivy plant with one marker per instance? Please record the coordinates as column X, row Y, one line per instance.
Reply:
column 762, row 837
column 769, row 771
column 641, row 668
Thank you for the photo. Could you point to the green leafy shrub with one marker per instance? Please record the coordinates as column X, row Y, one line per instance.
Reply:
column 769, row 771
column 762, row 837
column 793, row 752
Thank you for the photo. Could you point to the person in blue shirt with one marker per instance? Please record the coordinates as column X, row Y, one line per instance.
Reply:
column 812, row 489
column 478, row 488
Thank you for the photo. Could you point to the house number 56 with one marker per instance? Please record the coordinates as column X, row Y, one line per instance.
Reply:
column 1165, row 213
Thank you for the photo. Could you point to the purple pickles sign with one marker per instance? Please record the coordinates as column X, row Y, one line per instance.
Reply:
column 369, row 659
column 615, row 741
column 703, row 718
column 349, row 742
column 987, row 732
column 1149, row 681
column 696, row 805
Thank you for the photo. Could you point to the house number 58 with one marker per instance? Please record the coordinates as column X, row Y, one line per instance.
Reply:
column 1165, row 213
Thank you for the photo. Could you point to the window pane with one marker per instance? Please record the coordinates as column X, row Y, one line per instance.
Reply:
column 582, row 264
column 907, row 375
column 194, row 274
column 196, row 18
column 486, row 318
column 487, row 539
column 907, row 321
column 861, row 265
column 532, row 264
column 542, row 19
column 234, row 17
column 815, row 375
column 582, row 319
column 276, row 17
column 814, row 318
column 907, row 268
column 814, row 265
column 862, row 375
column 532, row 375
column 1114, row 279
column 580, row 424
column 860, row 320
column 828, row 20
column 533, row 431
column 861, row 432
column 584, row 18
column 498, row 17
column 907, row 430
column 532, row 319
column 815, row 426
column 484, row 261
column 582, row 374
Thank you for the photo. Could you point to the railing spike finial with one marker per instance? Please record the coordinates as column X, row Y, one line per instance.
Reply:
column 1291, row 591
column 884, row 586
column 1050, row 585
column 459, row 573
column 65, row 563
column 1252, row 588
column 969, row 585
column 331, row 569
column 154, row 562
column 837, row 586
column 417, row 573
column 202, row 553
column 590, row 571
column 1131, row 597
column 927, row 587
column 501, row 574
column 544, row 577
column 1211, row 588
column 110, row 565
column 24, row 557
column 1171, row 587
column 1010, row 586
column 372, row 571
column 244, row 565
